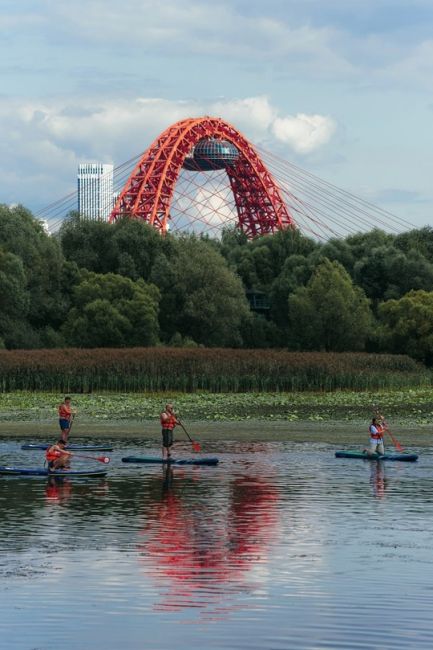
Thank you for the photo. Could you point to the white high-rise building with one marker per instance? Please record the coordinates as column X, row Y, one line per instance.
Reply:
column 95, row 190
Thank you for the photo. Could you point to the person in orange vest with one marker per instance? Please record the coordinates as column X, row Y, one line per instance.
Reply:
column 57, row 457
column 376, row 430
column 66, row 415
column 168, row 421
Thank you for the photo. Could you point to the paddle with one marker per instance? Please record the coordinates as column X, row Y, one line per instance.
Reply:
column 195, row 445
column 100, row 459
column 395, row 442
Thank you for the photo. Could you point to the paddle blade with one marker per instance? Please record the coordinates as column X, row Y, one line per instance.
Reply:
column 395, row 442
column 196, row 446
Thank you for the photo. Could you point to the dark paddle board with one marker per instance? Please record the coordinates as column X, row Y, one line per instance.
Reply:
column 171, row 461
column 408, row 458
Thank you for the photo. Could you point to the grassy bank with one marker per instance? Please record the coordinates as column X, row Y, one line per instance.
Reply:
column 410, row 407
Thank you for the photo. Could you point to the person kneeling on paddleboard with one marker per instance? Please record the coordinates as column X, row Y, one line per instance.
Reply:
column 57, row 457
column 168, row 422
column 376, row 430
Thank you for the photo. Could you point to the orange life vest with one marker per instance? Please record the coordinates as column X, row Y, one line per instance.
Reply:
column 65, row 412
column 379, row 434
column 169, row 422
column 52, row 454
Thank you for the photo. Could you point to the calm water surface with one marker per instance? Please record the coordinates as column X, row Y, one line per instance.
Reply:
column 281, row 546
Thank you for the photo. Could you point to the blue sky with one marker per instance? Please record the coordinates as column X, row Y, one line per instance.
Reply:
column 342, row 88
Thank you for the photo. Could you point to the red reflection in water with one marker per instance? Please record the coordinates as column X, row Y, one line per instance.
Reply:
column 204, row 545
column 378, row 479
column 59, row 490
column 56, row 490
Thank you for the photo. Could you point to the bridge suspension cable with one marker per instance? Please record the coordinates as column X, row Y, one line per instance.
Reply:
column 204, row 202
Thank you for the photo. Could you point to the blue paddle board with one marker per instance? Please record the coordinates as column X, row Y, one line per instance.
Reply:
column 41, row 471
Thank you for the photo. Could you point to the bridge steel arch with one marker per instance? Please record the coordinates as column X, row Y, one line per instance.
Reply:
column 148, row 191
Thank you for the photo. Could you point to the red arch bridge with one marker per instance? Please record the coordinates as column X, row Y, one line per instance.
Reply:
column 202, row 174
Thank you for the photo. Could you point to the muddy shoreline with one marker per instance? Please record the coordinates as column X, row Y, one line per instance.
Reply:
column 338, row 432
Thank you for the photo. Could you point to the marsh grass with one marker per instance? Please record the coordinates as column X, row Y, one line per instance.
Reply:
column 214, row 370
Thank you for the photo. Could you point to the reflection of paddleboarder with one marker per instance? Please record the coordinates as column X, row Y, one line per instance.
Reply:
column 167, row 479
column 168, row 422
column 57, row 491
column 378, row 479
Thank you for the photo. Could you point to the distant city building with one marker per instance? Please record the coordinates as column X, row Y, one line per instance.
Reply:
column 45, row 226
column 95, row 190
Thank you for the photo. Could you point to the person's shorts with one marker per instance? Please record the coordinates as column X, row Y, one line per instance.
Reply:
column 167, row 437
column 376, row 446
column 64, row 424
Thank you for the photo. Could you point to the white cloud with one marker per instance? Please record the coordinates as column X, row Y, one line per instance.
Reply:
column 45, row 141
column 298, row 44
column 189, row 28
column 252, row 114
column 304, row 133
column 98, row 41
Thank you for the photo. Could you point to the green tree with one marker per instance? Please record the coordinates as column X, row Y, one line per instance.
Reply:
column 141, row 244
column 259, row 262
column 330, row 313
column 14, row 300
column 259, row 332
column 420, row 240
column 111, row 311
column 295, row 273
column 42, row 260
column 128, row 247
column 202, row 299
column 362, row 243
column 339, row 250
column 407, row 325
column 89, row 243
column 386, row 272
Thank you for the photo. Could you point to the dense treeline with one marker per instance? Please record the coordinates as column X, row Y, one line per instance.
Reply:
column 100, row 285
column 214, row 370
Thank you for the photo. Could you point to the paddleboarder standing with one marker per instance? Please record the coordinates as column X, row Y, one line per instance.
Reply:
column 168, row 421
column 376, row 430
column 66, row 416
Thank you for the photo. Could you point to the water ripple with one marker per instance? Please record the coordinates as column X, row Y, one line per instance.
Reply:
column 281, row 546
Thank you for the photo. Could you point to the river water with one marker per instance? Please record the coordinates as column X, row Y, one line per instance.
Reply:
column 281, row 546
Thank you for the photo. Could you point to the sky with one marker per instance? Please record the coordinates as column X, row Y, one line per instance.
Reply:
column 342, row 88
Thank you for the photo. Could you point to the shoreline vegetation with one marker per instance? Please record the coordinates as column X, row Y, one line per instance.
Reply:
column 214, row 370
column 105, row 413
column 219, row 393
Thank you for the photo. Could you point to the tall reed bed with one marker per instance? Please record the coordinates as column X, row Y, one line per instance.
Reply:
column 214, row 370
